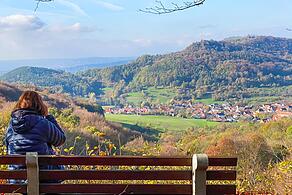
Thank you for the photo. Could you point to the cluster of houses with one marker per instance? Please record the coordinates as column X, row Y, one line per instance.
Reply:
column 213, row 112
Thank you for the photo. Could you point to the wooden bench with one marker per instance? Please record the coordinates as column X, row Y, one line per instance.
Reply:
column 121, row 175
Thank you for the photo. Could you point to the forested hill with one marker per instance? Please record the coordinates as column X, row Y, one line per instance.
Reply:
column 222, row 68
column 209, row 66
column 60, row 81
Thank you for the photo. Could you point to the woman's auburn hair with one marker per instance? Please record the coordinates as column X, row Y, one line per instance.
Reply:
column 31, row 100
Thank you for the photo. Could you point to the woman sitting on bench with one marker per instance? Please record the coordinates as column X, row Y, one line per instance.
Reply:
column 32, row 129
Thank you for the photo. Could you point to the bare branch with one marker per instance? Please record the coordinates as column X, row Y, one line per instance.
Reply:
column 40, row 1
column 161, row 9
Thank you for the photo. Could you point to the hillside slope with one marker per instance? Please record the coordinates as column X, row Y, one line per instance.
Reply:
column 80, row 117
column 59, row 81
column 9, row 92
column 209, row 66
column 67, row 64
column 225, row 69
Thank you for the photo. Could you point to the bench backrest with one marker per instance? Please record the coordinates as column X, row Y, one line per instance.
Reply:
column 122, row 175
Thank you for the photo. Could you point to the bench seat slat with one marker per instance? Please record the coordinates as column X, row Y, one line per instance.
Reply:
column 222, row 162
column 221, row 175
column 132, row 175
column 13, row 174
column 115, row 161
column 135, row 189
column 116, row 175
column 221, row 189
column 12, row 160
column 131, row 161
column 10, row 188
column 116, row 189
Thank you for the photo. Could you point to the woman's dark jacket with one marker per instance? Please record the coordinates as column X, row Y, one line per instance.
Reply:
column 29, row 131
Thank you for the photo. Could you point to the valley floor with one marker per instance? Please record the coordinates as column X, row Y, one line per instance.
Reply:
column 162, row 123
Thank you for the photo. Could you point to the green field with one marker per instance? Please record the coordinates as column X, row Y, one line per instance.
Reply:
column 161, row 123
column 158, row 95
column 208, row 101
column 269, row 94
column 154, row 95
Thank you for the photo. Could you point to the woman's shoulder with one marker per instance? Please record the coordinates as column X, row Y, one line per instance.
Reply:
column 46, row 122
column 42, row 121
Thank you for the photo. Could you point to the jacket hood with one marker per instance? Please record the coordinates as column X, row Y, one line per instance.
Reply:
column 24, row 120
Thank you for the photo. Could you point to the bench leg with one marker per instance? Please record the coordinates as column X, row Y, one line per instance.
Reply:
column 200, row 164
column 32, row 173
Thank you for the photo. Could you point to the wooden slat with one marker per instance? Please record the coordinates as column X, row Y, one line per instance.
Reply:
column 135, row 161
column 12, row 174
column 132, row 175
column 116, row 189
column 222, row 161
column 10, row 188
column 221, row 189
column 221, row 175
column 12, row 160
column 116, row 175
column 115, row 161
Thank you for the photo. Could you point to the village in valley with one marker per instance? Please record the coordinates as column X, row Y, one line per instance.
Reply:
column 213, row 112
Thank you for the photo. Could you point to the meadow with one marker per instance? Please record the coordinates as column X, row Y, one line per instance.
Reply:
column 159, row 95
column 161, row 123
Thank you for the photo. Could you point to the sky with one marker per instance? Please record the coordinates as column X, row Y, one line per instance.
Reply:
column 116, row 28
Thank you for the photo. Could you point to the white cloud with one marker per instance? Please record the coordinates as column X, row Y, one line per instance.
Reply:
column 76, row 27
column 21, row 22
column 70, row 43
column 29, row 37
column 79, row 28
column 109, row 6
